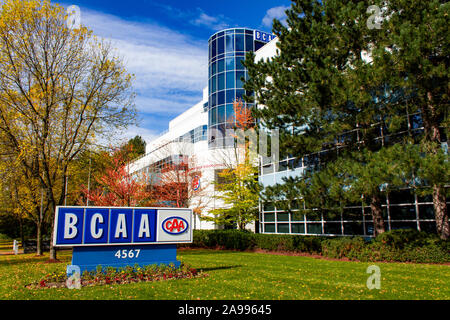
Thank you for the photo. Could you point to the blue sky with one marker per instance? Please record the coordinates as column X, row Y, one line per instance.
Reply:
column 164, row 43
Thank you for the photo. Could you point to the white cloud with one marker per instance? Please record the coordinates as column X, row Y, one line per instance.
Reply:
column 170, row 68
column 213, row 23
column 275, row 13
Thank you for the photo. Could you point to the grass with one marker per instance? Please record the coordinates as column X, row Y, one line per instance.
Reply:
column 241, row 275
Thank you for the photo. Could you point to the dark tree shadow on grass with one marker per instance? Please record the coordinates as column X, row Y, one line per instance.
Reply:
column 219, row 268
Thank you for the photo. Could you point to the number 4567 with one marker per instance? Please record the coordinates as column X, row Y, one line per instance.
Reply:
column 124, row 254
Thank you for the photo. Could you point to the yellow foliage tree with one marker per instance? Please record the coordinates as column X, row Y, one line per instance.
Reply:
column 60, row 88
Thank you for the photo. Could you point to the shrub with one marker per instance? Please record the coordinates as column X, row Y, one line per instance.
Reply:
column 401, row 238
column 395, row 245
column 348, row 247
column 4, row 237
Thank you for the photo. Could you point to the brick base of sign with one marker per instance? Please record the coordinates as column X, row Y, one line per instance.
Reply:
column 89, row 258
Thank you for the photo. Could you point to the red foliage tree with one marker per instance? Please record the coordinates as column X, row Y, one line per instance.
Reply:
column 118, row 188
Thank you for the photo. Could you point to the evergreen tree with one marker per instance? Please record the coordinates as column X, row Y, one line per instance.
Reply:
column 336, row 93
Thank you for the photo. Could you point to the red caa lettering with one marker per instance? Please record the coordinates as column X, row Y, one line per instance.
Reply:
column 175, row 225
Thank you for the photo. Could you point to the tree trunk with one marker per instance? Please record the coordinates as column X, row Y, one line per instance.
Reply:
column 52, row 248
column 39, row 239
column 440, row 212
column 377, row 215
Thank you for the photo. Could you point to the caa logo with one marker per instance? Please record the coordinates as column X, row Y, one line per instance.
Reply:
column 175, row 225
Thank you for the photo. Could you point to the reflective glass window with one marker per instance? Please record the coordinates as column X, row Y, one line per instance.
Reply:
column 230, row 79
column 269, row 227
column 221, row 81
column 230, row 113
column 239, row 65
column 332, row 228
column 221, row 66
column 426, row 212
column 248, row 43
column 298, row 228
column 239, row 75
column 240, row 94
column 221, row 97
column 214, row 68
column 220, row 46
column 283, row 216
column 283, row 228
column 221, row 114
column 240, row 44
column 230, row 96
column 314, row 228
column 230, row 63
column 214, row 48
column 213, row 84
column 402, row 212
column 229, row 43
column 214, row 116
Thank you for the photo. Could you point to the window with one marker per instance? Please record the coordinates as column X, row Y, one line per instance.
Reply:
column 220, row 46
column 239, row 75
column 283, row 216
column 240, row 45
column 283, row 228
column 269, row 227
column 402, row 212
column 248, row 43
column 269, row 217
column 221, row 114
column 332, row 228
column 229, row 44
column 314, row 228
column 230, row 80
column 229, row 63
column 221, row 66
column 221, row 81
column 297, row 228
column 239, row 65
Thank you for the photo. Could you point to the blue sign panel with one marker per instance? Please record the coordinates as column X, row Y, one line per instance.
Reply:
column 264, row 36
column 89, row 258
column 99, row 226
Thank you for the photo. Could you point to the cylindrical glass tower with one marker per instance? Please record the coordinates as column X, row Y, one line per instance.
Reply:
column 227, row 50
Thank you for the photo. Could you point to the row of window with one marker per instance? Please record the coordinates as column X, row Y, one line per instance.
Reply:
column 198, row 134
column 228, row 64
column 227, row 80
column 411, row 123
column 355, row 228
column 391, row 212
column 230, row 43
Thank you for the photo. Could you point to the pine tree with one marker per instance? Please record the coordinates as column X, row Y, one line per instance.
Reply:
column 342, row 110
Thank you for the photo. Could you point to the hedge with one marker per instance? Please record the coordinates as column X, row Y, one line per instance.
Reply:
column 396, row 245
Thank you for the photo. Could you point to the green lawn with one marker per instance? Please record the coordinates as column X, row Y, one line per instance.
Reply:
column 242, row 275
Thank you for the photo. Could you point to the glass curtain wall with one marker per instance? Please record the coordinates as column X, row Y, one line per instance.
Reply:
column 227, row 50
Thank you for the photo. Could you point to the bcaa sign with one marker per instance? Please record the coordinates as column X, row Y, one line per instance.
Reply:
column 94, row 226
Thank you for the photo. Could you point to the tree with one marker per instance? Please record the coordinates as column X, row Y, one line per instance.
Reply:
column 338, row 108
column 133, row 149
column 237, row 184
column 417, row 60
column 118, row 188
column 60, row 89
column 174, row 176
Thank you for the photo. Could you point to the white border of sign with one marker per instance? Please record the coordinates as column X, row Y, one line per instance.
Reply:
column 190, row 231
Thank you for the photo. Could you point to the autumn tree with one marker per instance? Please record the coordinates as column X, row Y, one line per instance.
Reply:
column 60, row 89
column 237, row 184
column 118, row 188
